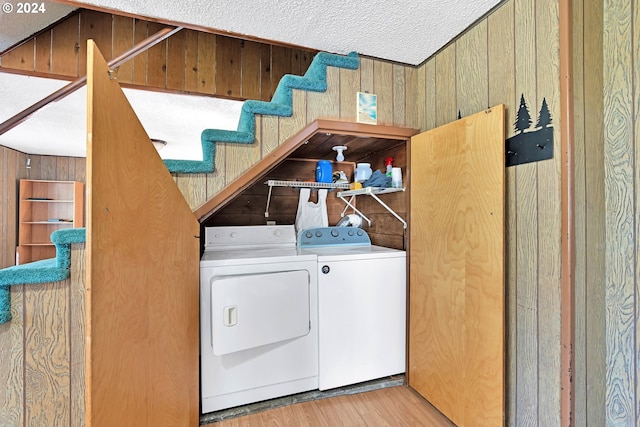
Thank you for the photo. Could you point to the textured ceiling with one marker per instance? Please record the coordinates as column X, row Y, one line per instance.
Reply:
column 15, row 25
column 397, row 30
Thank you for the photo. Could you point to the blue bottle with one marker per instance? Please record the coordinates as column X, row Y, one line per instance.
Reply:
column 324, row 171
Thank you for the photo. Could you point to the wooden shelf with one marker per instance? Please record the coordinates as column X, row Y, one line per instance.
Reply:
column 44, row 207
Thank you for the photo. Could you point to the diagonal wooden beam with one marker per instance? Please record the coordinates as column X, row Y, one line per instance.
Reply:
column 81, row 81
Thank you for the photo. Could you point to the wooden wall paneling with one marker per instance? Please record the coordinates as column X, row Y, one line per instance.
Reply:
column 430, row 93
column 383, row 89
column 156, row 59
column 123, row 34
column 305, row 60
column 621, row 263
column 191, row 61
column 140, row 33
column 34, row 171
column 289, row 126
column 43, row 53
column 228, row 66
column 97, row 26
column 21, row 57
column 176, row 61
column 65, row 47
column 447, row 110
column 62, row 168
column 399, row 95
column 635, row 117
column 549, row 215
column 251, row 69
column 324, row 105
column 366, row 76
column 80, row 169
column 472, row 71
column 265, row 73
column 349, row 85
column 416, row 108
column 11, row 333
column 580, row 232
column 12, row 366
column 217, row 180
column 501, row 76
column 77, row 334
column 280, row 65
column 193, row 188
column 207, row 63
column 241, row 157
column 43, row 167
column 47, row 354
column 269, row 134
column 296, row 63
column 12, row 164
column 8, row 179
column 527, row 345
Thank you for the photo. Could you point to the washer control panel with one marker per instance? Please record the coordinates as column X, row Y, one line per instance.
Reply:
column 332, row 236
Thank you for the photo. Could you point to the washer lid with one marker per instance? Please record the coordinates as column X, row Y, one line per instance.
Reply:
column 350, row 253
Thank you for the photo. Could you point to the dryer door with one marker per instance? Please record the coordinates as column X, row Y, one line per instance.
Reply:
column 252, row 310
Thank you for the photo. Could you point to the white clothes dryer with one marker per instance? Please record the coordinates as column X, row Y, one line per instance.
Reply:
column 258, row 316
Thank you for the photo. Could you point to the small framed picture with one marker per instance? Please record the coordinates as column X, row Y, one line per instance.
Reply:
column 367, row 108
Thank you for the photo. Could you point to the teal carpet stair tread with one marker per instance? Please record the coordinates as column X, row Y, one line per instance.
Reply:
column 43, row 271
column 281, row 104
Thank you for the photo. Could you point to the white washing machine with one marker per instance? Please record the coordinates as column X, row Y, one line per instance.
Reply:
column 258, row 316
column 361, row 306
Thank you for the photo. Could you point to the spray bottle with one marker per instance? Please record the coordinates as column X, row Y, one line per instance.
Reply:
column 388, row 162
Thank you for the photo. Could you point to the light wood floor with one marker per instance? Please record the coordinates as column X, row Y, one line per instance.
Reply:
column 393, row 407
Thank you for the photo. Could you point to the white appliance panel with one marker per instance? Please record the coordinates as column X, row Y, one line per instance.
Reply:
column 251, row 310
column 263, row 372
column 362, row 315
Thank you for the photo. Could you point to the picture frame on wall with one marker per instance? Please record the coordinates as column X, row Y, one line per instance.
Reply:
column 367, row 108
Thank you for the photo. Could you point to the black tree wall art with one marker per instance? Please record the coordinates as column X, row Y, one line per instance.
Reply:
column 530, row 144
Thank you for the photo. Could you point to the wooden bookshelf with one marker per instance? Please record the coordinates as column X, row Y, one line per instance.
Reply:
column 44, row 207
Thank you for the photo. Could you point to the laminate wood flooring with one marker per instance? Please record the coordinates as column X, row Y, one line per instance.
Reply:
column 393, row 407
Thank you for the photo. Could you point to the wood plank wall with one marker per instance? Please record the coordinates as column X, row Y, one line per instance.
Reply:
column 590, row 359
column 621, row 101
column 513, row 52
column 189, row 61
column 42, row 352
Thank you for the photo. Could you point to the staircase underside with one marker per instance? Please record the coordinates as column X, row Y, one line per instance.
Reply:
column 315, row 141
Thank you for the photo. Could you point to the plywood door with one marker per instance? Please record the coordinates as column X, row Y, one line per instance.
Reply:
column 142, row 272
column 456, row 335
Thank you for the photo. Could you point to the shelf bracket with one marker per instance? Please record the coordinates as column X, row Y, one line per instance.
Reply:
column 266, row 210
column 350, row 205
column 372, row 191
column 391, row 211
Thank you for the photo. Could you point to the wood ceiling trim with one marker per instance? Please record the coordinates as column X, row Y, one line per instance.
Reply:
column 256, row 172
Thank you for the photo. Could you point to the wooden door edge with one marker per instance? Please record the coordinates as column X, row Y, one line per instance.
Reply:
column 567, row 303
